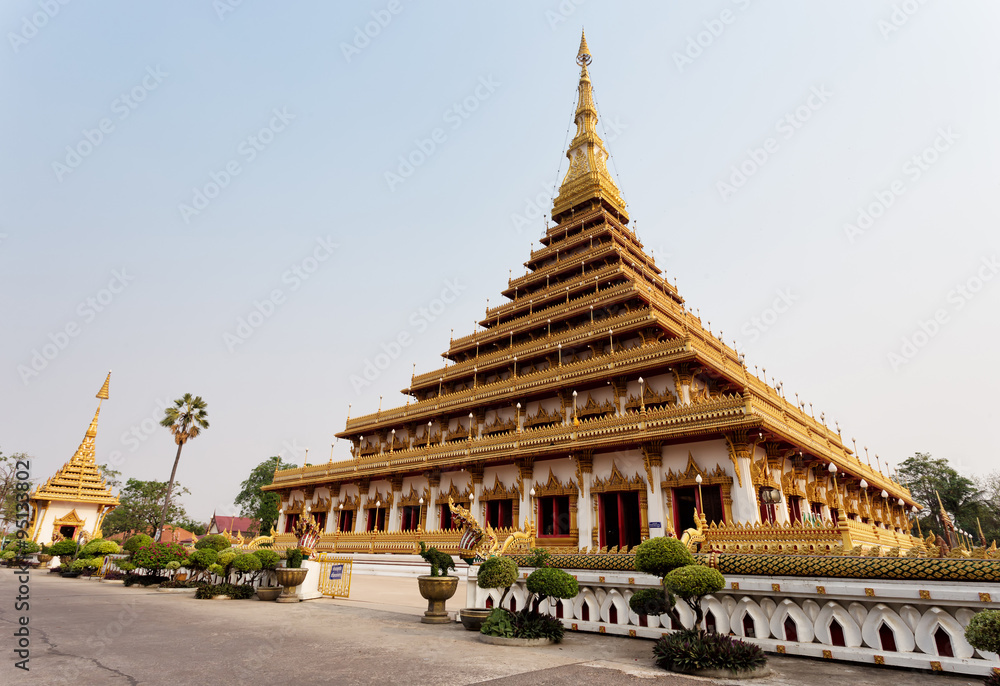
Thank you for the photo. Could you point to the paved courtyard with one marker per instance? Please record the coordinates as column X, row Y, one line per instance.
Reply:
column 88, row 633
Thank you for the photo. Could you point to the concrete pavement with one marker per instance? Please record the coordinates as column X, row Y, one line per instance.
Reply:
column 85, row 632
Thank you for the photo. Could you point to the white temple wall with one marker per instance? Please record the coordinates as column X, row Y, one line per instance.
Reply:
column 58, row 510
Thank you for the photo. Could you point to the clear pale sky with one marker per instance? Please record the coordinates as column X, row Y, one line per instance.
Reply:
column 119, row 115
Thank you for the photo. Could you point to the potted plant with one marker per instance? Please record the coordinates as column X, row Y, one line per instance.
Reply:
column 496, row 572
column 291, row 575
column 436, row 587
column 691, row 651
column 268, row 563
column 527, row 626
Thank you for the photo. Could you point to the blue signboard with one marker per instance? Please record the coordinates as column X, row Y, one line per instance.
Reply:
column 655, row 525
column 336, row 572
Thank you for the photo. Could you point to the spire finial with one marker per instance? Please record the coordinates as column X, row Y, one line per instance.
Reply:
column 587, row 177
column 103, row 393
column 583, row 58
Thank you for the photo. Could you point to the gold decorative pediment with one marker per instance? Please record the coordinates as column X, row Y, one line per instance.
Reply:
column 592, row 408
column 617, row 481
column 349, row 502
column 70, row 519
column 500, row 492
column 652, row 399
column 413, row 498
column 555, row 487
column 543, row 418
column 690, row 474
column 455, row 494
column 385, row 499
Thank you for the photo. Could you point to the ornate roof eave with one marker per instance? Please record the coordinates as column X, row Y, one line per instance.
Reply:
column 671, row 424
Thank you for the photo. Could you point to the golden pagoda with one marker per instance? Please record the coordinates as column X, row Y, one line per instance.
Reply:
column 594, row 410
column 76, row 498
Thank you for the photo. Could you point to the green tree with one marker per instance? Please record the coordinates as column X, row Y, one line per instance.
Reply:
column 139, row 508
column 9, row 492
column 197, row 528
column 186, row 420
column 110, row 476
column 927, row 478
column 256, row 504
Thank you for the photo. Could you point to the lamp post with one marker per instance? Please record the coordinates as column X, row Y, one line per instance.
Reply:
column 701, row 506
column 393, row 444
column 560, row 354
column 517, row 418
column 885, row 507
column 864, row 487
column 576, row 422
column 471, row 419
column 428, row 434
column 642, row 401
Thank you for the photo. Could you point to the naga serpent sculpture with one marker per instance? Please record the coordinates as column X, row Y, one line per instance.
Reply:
column 481, row 543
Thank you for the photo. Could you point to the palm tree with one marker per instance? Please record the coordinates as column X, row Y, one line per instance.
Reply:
column 185, row 419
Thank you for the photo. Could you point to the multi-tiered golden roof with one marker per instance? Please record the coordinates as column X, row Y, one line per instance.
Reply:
column 80, row 480
column 594, row 311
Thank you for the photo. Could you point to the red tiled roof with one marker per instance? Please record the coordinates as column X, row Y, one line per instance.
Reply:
column 235, row 524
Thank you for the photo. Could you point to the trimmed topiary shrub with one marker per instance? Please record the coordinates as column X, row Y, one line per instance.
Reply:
column 202, row 560
column 661, row 555
column 691, row 650
column 226, row 558
column 217, row 542
column 649, row 601
column 136, row 542
column 553, row 582
column 63, row 548
column 217, row 570
column 108, row 548
column 90, row 549
column 246, row 564
column 497, row 572
column 983, row 632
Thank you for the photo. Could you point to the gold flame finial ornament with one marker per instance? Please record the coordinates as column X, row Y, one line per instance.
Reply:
column 587, row 182
column 583, row 58
column 103, row 393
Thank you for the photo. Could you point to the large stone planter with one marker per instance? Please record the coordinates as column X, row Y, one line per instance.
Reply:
column 268, row 592
column 473, row 617
column 290, row 578
column 437, row 590
column 520, row 642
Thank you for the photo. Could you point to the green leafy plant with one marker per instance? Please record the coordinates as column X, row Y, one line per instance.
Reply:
column 234, row 591
column 529, row 624
column 983, row 631
column 269, row 560
column 63, row 548
column 217, row 570
column 246, row 564
column 497, row 572
column 90, row 549
column 553, row 582
column 136, row 542
column 539, row 557
column 293, row 558
column 108, row 548
column 690, row 650
column 692, row 582
column 202, row 560
column 499, row 623
column 125, row 565
column 217, row 542
column 7, row 555
column 155, row 557
column 440, row 562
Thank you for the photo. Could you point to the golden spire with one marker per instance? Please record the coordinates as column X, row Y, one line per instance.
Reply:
column 80, row 480
column 103, row 393
column 587, row 177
